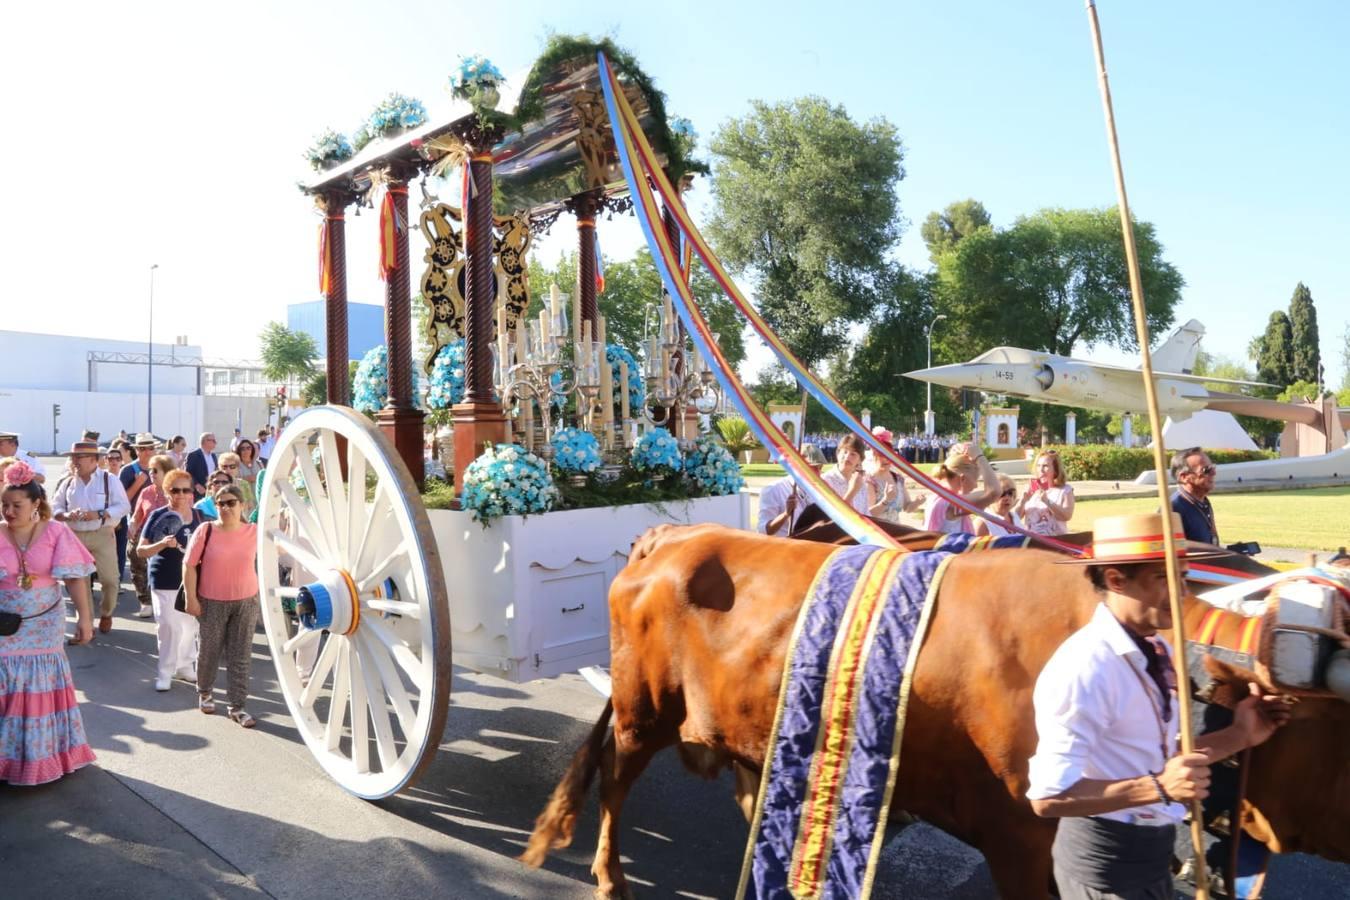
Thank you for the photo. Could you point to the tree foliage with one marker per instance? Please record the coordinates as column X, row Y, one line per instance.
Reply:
column 632, row 288
column 287, row 354
column 942, row 231
column 804, row 202
column 1049, row 281
column 1345, row 359
column 1305, row 353
column 1263, row 431
column 1273, row 350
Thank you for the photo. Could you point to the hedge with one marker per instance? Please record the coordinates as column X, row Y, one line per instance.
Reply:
column 1108, row 462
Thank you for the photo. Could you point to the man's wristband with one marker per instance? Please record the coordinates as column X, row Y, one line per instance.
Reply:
column 1162, row 794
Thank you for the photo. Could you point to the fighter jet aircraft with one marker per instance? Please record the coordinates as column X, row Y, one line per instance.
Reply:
column 1063, row 380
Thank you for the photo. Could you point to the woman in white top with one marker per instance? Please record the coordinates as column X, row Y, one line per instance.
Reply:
column 1047, row 506
column 847, row 477
column 1003, row 508
column 887, row 491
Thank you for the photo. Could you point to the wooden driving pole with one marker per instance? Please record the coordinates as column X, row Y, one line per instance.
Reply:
column 1159, row 463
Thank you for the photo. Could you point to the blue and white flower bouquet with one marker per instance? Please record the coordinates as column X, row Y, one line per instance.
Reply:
column 712, row 467
column 575, row 451
column 395, row 113
column 637, row 394
column 657, row 453
column 507, row 480
column 477, row 81
column 329, row 149
column 445, row 388
column 371, row 386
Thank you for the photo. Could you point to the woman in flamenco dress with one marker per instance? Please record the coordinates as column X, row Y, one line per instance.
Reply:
column 41, row 734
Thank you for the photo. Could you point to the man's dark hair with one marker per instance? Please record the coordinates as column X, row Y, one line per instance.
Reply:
column 1179, row 463
column 1097, row 574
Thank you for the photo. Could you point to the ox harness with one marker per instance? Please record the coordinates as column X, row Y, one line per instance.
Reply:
column 840, row 719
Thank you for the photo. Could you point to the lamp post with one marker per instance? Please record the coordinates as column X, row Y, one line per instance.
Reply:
column 928, row 423
column 150, row 359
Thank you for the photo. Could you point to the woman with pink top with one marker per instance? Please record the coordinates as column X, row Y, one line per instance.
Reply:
column 961, row 473
column 1047, row 506
column 223, row 595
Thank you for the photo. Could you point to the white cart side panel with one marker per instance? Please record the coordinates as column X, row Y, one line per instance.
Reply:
column 529, row 596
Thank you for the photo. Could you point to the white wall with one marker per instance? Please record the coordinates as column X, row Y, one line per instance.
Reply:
column 29, row 412
column 219, row 415
column 61, row 362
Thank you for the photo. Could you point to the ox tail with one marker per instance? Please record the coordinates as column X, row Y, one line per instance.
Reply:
column 553, row 829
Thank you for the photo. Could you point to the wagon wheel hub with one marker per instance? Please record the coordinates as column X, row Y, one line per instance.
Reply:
column 330, row 604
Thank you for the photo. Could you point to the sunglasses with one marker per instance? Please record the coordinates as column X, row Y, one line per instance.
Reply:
column 226, row 504
column 1205, row 470
column 1010, row 492
column 112, row 458
column 180, row 490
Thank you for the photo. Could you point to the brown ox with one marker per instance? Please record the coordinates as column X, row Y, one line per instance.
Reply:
column 700, row 621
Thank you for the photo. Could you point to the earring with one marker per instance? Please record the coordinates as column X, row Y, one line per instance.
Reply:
column 35, row 516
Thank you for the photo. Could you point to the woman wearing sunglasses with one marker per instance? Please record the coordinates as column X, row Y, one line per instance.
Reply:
column 166, row 532
column 224, row 598
column 1003, row 508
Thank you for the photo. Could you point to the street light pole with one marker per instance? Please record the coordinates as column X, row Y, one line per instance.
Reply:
column 928, row 424
column 150, row 359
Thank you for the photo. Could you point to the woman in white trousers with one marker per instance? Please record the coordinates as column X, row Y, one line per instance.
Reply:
column 164, row 537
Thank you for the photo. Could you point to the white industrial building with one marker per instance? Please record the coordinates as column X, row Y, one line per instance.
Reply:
column 53, row 387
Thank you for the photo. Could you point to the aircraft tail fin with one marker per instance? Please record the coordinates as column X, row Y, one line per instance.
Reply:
column 1178, row 352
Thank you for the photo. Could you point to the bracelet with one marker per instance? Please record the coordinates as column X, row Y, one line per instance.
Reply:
column 1162, row 794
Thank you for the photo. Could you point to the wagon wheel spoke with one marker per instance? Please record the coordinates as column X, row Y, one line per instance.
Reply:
column 402, row 654
column 302, row 637
column 377, row 704
column 298, row 553
column 391, row 682
column 301, row 515
column 328, row 657
column 337, row 494
column 318, row 498
column 357, row 516
column 397, row 607
column 386, row 567
column 373, row 520
column 337, row 708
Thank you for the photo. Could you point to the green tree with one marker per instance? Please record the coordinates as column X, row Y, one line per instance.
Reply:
column 1274, row 351
column 1299, row 392
column 1051, row 280
column 804, row 203
column 632, row 287
column 287, row 354
column 1345, row 359
column 1306, row 355
column 943, row 231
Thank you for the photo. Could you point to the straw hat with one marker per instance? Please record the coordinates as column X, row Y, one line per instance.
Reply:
column 1137, row 538
column 145, row 439
column 84, row 448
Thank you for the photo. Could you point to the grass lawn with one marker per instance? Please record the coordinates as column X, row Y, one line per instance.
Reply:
column 1314, row 519
column 769, row 470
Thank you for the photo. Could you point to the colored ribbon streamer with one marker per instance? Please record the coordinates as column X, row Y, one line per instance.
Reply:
column 390, row 225
column 325, row 261
column 599, row 268
column 624, row 120
column 666, row 257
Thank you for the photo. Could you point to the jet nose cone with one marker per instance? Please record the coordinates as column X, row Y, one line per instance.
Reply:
column 949, row 376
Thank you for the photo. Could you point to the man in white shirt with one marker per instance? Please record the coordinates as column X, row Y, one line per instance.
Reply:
column 782, row 502
column 1106, row 717
column 9, row 446
column 92, row 502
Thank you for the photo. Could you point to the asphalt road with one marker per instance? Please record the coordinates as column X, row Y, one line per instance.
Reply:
column 181, row 805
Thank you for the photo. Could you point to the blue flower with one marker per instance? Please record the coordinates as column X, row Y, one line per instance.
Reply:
column 395, row 111
column 575, row 450
column 445, row 388
column 657, row 452
column 328, row 149
column 712, row 468
column 507, row 481
column 371, row 385
column 475, row 72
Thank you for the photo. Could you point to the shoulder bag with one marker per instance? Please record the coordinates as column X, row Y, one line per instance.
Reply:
column 180, row 600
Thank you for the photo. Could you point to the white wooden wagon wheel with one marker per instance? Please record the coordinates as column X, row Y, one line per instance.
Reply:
column 344, row 539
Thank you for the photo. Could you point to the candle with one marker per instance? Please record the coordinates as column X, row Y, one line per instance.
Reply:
column 502, row 346
column 576, row 316
column 554, row 300
column 527, row 421
column 606, row 388
column 522, row 349
column 544, row 331
column 624, row 411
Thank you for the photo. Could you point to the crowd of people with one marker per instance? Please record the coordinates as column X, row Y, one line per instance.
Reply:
column 875, row 488
column 182, row 522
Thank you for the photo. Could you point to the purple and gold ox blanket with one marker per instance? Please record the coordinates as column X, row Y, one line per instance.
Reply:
column 835, row 747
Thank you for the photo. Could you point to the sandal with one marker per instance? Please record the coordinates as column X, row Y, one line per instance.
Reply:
column 243, row 718
column 206, row 704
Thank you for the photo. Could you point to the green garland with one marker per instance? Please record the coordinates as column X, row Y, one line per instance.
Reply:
column 565, row 48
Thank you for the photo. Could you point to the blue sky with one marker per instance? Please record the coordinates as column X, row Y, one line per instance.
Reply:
column 176, row 134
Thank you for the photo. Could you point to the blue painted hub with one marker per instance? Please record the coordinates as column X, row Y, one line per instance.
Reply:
column 314, row 606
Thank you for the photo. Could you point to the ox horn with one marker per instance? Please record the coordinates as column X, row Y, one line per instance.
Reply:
column 1338, row 674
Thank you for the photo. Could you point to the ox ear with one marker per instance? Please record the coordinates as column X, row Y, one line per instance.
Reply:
column 1230, row 682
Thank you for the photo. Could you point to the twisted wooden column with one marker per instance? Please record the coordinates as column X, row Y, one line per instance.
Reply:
column 585, row 207
column 401, row 420
column 334, row 205
column 479, row 419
